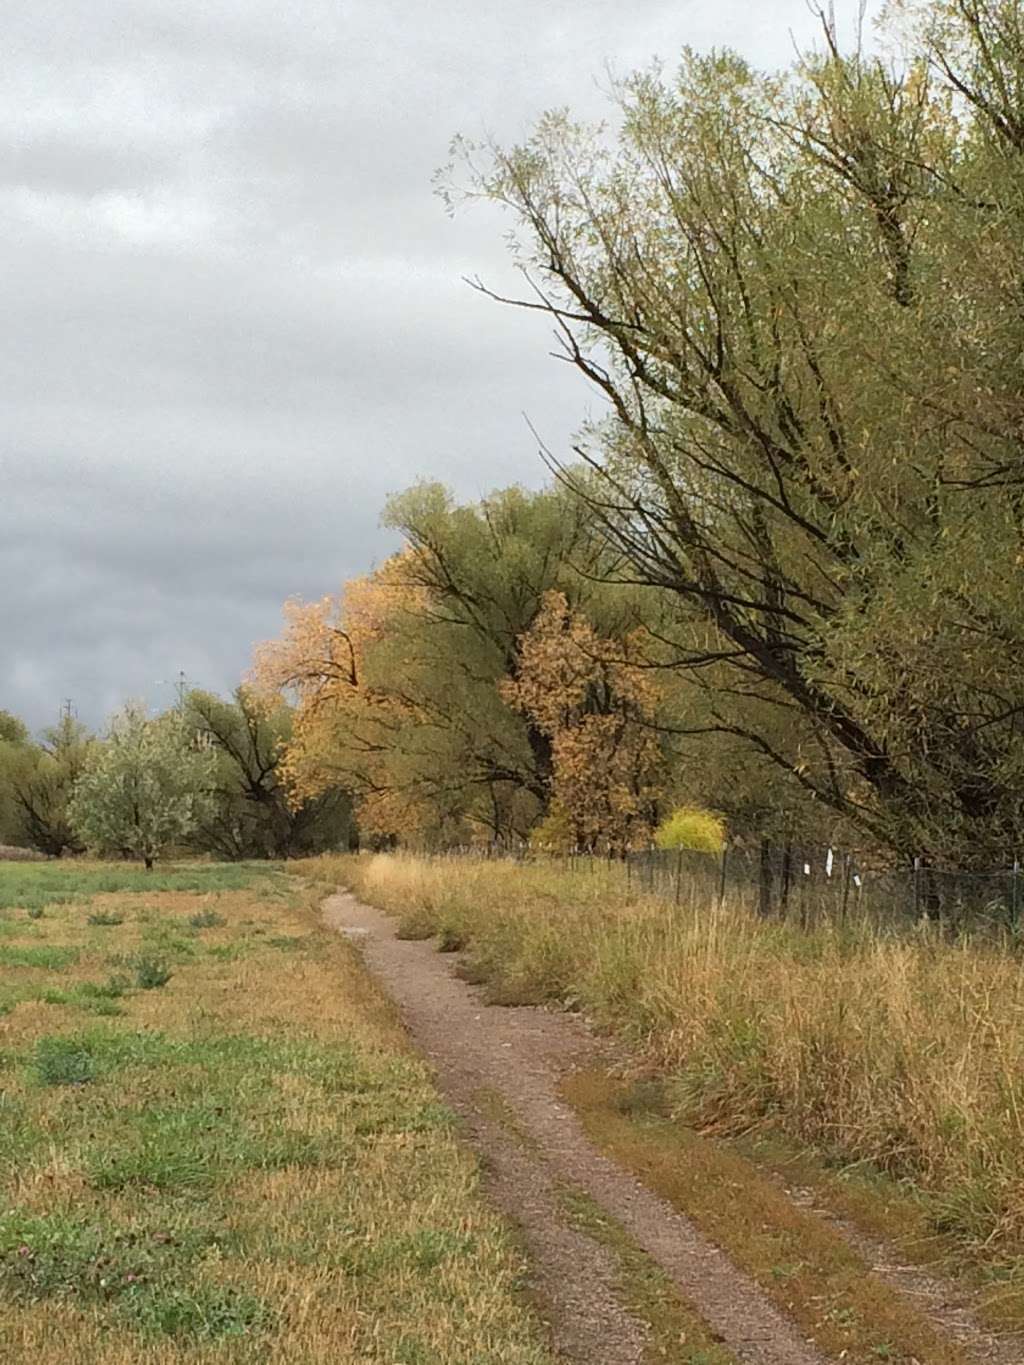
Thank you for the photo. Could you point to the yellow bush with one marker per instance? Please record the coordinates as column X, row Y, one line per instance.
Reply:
column 691, row 827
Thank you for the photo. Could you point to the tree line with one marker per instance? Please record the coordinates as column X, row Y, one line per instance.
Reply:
column 782, row 570
column 203, row 777
column 779, row 576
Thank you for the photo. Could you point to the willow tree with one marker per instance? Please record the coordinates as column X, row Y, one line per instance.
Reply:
column 799, row 294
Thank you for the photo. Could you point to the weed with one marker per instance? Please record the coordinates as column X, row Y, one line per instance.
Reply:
column 151, row 972
column 206, row 919
column 34, row 912
column 104, row 918
column 63, row 1061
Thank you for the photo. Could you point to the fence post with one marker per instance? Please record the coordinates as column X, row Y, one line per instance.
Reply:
column 846, row 887
column 721, row 876
column 917, row 887
column 1013, row 892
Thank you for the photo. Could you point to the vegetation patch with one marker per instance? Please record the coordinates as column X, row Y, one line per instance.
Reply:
column 253, row 1159
column 812, row 1274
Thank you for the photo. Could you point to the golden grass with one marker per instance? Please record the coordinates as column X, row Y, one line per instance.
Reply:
column 371, row 1243
column 903, row 1052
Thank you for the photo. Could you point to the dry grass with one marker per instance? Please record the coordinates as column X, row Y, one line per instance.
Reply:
column 903, row 1052
column 243, row 1164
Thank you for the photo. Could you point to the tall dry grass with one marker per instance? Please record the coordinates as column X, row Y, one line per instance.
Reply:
column 906, row 1052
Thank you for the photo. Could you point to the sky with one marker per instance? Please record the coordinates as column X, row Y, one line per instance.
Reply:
column 235, row 316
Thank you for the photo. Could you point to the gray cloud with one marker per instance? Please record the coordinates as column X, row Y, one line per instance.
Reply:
column 234, row 315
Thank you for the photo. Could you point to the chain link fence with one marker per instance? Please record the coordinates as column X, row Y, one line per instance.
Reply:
column 804, row 885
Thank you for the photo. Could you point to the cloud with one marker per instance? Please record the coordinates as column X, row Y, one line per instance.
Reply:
column 234, row 311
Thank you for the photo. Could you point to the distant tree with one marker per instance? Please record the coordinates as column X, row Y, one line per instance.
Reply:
column 253, row 813
column 144, row 788
column 13, row 743
column 12, row 730
column 36, row 781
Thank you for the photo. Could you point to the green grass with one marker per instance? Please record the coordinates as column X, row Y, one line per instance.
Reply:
column 244, row 1165
column 37, row 885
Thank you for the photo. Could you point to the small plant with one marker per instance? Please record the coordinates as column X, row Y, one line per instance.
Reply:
column 63, row 1061
column 151, row 972
column 34, row 912
column 105, row 918
column 206, row 919
column 450, row 939
column 111, row 989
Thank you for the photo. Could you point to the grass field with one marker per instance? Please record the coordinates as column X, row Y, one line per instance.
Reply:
column 898, row 1056
column 215, row 1145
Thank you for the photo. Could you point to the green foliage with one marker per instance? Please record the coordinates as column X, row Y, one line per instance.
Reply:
column 145, row 788
column 45, row 958
column 36, row 782
column 792, row 289
column 23, row 885
column 63, row 1061
column 252, row 814
column 689, row 827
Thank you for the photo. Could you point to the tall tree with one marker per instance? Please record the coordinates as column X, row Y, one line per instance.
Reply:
column 799, row 296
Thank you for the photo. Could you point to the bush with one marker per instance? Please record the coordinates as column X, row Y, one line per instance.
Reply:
column 691, row 827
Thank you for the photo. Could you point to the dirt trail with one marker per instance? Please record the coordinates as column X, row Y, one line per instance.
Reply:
column 519, row 1055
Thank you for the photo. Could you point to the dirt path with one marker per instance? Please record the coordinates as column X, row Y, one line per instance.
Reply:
column 518, row 1055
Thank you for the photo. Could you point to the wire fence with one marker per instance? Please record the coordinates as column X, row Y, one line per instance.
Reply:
column 805, row 885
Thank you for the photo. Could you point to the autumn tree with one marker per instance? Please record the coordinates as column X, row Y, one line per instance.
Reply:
column 798, row 294
column 397, row 682
column 144, row 788
column 597, row 708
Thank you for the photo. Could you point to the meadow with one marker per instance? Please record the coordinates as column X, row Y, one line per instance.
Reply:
column 895, row 1059
column 215, row 1143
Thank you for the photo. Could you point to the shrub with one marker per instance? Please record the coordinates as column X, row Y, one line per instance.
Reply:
column 691, row 827
column 105, row 918
column 34, row 912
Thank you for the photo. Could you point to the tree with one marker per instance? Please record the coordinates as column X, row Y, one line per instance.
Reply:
column 144, row 788
column 584, row 695
column 396, row 683
column 252, row 814
column 798, row 294
column 36, row 782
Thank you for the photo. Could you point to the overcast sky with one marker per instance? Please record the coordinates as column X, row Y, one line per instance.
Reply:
column 233, row 311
